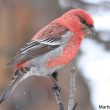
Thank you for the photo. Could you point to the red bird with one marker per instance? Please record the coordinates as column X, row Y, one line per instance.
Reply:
column 51, row 48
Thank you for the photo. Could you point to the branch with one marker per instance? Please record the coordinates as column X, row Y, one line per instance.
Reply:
column 57, row 92
column 57, row 95
column 71, row 105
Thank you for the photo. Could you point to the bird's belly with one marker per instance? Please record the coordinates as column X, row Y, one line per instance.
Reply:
column 40, row 64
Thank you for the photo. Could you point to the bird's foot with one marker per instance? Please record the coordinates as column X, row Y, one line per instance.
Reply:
column 54, row 77
column 56, row 88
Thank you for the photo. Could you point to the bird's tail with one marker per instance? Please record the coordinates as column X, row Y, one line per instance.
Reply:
column 13, row 84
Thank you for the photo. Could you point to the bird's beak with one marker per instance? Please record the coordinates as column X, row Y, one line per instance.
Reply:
column 90, row 30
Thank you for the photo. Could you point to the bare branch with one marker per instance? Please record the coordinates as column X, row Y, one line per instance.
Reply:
column 57, row 95
column 57, row 92
column 71, row 105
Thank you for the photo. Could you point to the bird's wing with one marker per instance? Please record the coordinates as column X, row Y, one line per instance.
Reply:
column 14, row 82
column 43, row 44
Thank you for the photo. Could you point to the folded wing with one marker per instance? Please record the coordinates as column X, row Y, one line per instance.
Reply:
column 42, row 45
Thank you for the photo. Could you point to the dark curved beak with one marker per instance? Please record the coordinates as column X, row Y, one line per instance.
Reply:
column 90, row 30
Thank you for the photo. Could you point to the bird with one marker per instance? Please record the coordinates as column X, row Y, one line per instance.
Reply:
column 51, row 48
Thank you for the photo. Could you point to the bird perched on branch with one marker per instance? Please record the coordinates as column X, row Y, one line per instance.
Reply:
column 51, row 48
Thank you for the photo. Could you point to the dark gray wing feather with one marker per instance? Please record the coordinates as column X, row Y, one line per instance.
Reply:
column 37, row 48
column 53, row 41
column 32, row 52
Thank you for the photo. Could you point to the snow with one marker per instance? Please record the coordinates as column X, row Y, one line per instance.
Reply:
column 94, row 1
column 95, row 66
column 102, row 21
column 104, row 36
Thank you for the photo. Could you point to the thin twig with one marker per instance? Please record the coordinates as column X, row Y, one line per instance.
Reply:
column 74, row 107
column 57, row 95
column 71, row 103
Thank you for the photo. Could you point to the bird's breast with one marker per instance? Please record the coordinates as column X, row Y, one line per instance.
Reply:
column 69, row 52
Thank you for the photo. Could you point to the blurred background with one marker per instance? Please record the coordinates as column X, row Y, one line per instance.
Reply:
column 21, row 19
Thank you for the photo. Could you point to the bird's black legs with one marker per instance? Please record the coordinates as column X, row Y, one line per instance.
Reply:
column 55, row 75
column 57, row 90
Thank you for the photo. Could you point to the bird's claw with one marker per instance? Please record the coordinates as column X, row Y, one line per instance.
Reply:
column 56, row 88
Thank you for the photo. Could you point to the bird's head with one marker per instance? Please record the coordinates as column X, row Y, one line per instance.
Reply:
column 78, row 21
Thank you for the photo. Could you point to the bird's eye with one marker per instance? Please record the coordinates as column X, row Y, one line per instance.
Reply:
column 83, row 21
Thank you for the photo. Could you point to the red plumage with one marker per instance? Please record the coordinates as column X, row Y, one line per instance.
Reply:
column 52, row 47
